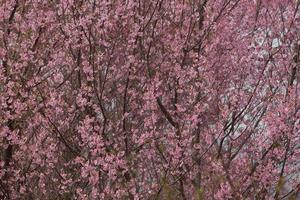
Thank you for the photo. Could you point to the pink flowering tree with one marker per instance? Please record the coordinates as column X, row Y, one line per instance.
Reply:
column 150, row 99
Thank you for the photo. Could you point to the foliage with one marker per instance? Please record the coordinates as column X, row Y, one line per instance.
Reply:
column 105, row 99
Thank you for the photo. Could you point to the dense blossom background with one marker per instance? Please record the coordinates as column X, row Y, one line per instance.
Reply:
column 149, row 99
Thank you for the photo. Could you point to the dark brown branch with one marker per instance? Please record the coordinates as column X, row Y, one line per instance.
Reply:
column 166, row 113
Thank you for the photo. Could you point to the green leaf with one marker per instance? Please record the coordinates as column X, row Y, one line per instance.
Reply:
column 199, row 193
column 280, row 184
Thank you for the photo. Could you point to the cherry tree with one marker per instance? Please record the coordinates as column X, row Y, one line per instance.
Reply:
column 152, row 99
